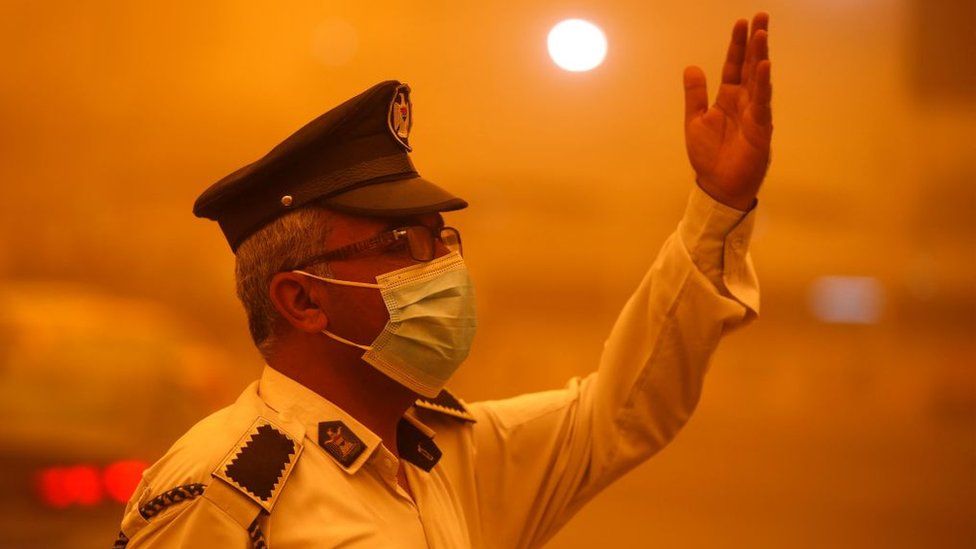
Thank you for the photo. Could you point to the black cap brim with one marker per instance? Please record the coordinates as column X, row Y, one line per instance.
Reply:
column 400, row 197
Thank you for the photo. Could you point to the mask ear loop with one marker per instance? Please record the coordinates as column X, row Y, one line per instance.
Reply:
column 339, row 338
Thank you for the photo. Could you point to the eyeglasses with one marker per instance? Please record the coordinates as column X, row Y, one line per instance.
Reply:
column 420, row 239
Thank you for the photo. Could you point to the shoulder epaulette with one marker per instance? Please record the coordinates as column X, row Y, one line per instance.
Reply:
column 448, row 404
column 259, row 464
column 257, row 467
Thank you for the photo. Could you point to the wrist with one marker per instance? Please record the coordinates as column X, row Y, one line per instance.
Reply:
column 742, row 203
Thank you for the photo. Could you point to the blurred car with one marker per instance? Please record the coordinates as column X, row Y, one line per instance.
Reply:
column 92, row 388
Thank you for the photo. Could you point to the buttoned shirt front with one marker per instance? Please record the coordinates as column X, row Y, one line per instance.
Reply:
column 511, row 472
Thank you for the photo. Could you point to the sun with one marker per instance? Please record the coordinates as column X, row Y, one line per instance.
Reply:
column 577, row 45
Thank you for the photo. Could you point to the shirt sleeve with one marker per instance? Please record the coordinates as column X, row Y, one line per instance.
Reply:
column 197, row 523
column 539, row 457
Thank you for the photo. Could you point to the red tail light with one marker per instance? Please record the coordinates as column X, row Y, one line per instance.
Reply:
column 87, row 485
column 121, row 478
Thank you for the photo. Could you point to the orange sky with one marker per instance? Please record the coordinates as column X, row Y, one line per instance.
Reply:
column 117, row 115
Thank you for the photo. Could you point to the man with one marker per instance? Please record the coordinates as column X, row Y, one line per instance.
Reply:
column 359, row 300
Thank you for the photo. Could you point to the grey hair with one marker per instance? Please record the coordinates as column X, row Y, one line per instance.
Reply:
column 278, row 246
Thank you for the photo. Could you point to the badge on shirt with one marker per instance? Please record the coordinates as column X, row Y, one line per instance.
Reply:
column 416, row 447
column 340, row 442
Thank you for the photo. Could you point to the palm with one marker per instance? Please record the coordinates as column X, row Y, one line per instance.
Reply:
column 729, row 143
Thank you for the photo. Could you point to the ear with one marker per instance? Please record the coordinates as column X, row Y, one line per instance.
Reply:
column 297, row 299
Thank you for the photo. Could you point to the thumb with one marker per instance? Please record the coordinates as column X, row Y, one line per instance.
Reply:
column 696, row 93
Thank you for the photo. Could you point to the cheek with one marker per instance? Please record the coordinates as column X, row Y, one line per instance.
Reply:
column 359, row 314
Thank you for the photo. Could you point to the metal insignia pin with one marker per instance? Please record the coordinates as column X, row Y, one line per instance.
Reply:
column 401, row 117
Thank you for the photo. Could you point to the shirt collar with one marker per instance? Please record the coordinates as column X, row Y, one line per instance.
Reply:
column 347, row 441
column 331, row 427
column 448, row 404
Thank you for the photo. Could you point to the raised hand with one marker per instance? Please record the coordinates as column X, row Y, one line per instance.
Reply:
column 728, row 143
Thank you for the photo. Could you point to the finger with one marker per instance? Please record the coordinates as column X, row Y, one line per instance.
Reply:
column 759, row 22
column 762, row 98
column 696, row 92
column 761, row 45
column 732, row 70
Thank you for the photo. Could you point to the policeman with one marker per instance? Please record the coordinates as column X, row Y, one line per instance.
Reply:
column 359, row 300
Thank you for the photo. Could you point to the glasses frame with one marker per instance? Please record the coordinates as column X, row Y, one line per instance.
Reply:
column 383, row 241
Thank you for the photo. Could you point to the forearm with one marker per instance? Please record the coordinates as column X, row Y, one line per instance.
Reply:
column 651, row 372
column 545, row 454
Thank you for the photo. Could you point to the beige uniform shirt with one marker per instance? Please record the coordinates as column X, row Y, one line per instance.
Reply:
column 284, row 467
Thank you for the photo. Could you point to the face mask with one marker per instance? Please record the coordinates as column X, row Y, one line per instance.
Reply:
column 431, row 327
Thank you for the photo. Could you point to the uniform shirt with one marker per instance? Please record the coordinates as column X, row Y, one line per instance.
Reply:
column 511, row 472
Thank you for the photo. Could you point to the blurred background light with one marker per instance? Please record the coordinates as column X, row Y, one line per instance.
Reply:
column 847, row 299
column 577, row 45
column 74, row 485
column 86, row 485
column 121, row 478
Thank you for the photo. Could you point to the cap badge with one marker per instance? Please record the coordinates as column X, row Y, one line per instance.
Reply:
column 400, row 116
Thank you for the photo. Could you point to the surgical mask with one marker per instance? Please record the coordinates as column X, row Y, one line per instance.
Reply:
column 431, row 326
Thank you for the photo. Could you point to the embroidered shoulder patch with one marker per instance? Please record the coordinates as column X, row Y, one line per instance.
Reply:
column 159, row 504
column 257, row 536
column 448, row 404
column 260, row 463
column 170, row 497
